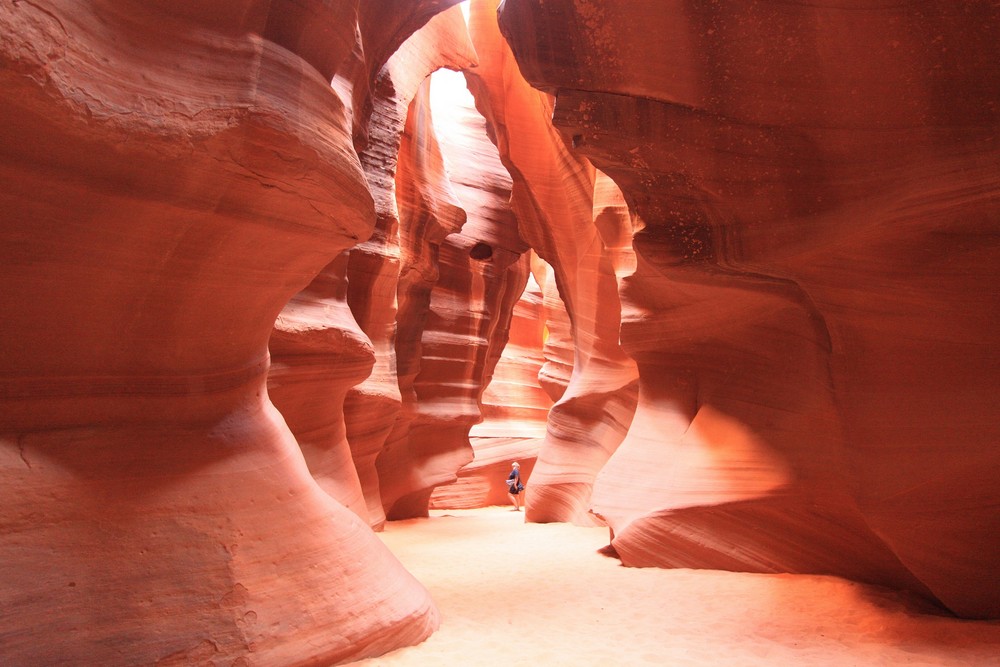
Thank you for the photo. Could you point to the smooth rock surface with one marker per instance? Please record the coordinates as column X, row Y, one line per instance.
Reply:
column 553, row 198
column 650, row 616
column 761, row 244
column 172, row 176
column 511, row 405
column 458, row 292
column 317, row 354
column 515, row 413
column 372, row 407
column 811, row 311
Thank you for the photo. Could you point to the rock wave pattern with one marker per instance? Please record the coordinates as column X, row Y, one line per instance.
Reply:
column 812, row 310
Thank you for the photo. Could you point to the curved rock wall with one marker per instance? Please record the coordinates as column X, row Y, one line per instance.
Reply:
column 173, row 175
column 372, row 407
column 817, row 188
column 553, row 198
column 462, row 273
column 317, row 354
column 515, row 412
column 510, row 406
column 429, row 212
column 804, row 331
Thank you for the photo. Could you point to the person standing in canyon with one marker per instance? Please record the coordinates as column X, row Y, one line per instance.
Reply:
column 514, row 485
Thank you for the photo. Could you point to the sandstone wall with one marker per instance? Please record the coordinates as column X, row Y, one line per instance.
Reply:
column 173, row 174
column 511, row 407
column 372, row 407
column 766, row 320
column 811, row 311
column 463, row 270
column 553, row 198
column 318, row 353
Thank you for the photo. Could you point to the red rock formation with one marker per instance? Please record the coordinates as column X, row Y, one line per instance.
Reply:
column 385, row 25
column 558, row 351
column 317, row 354
column 513, row 407
column 173, row 174
column 372, row 407
column 408, row 372
column 429, row 211
column 553, row 198
column 818, row 188
column 458, row 285
column 815, row 197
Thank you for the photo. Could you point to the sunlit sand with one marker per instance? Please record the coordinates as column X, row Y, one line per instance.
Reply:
column 512, row 593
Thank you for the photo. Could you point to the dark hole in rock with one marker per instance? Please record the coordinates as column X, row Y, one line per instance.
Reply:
column 481, row 251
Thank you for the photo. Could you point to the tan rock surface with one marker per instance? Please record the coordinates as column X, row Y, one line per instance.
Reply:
column 818, row 188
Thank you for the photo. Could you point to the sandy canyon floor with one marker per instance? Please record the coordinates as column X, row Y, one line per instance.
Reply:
column 542, row 594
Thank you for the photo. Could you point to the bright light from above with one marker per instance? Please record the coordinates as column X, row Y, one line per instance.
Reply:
column 449, row 92
column 449, row 97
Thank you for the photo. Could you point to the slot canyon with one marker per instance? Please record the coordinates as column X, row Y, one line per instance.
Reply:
column 722, row 275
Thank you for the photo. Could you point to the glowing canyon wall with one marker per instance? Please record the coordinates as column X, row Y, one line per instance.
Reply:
column 553, row 196
column 173, row 175
column 723, row 277
column 817, row 187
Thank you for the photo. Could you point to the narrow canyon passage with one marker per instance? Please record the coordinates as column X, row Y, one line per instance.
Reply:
column 515, row 593
column 286, row 284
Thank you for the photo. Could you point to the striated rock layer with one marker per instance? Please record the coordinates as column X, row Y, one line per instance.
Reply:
column 511, row 406
column 515, row 412
column 463, row 269
column 372, row 407
column 812, row 309
column 172, row 176
column 553, row 197
column 317, row 354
